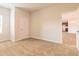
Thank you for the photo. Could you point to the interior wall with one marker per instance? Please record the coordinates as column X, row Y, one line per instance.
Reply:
column 22, row 18
column 73, row 25
column 12, row 24
column 47, row 23
column 5, row 13
column 44, row 24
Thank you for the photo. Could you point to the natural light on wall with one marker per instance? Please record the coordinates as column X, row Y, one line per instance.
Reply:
column 0, row 24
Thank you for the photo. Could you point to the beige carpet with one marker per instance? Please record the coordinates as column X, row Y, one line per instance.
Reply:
column 35, row 47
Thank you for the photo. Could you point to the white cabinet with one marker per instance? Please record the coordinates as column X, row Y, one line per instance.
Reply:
column 77, row 40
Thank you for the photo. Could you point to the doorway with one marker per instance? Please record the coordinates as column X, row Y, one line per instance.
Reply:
column 69, row 36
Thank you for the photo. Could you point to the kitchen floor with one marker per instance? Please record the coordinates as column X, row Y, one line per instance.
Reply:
column 69, row 39
column 35, row 47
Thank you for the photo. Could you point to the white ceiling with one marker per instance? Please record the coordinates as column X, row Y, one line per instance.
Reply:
column 36, row 6
column 27, row 6
column 33, row 6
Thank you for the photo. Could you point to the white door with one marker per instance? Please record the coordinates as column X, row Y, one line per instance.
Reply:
column 4, row 24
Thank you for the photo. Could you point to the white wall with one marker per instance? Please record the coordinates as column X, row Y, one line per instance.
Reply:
column 21, row 24
column 5, row 35
column 73, row 25
column 47, row 23
column 12, row 24
column 44, row 24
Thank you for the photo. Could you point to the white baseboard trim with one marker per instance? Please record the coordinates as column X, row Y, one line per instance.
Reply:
column 19, row 39
column 60, row 42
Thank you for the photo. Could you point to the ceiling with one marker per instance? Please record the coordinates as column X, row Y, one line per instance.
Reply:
column 36, row 6
column 27, row 6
